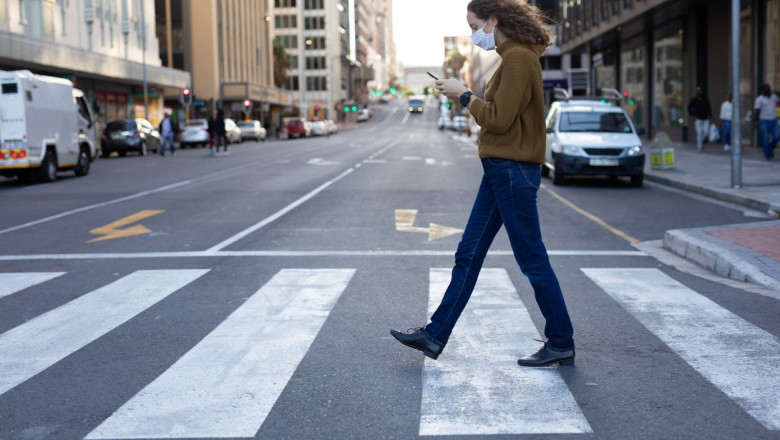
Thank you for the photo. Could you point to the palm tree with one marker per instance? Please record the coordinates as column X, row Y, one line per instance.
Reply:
column 281, row 64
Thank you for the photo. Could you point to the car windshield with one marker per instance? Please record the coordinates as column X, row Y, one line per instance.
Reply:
column 246, row 124
column 597, row 122
column 415, row 102
column 120, row 125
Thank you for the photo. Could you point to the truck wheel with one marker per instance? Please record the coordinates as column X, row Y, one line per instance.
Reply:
column 48, row 169
column 82, row 164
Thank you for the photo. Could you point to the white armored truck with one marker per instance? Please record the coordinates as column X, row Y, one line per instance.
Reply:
column 46, row 126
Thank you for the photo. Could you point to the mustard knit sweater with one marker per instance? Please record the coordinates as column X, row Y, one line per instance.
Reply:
column 512, row 114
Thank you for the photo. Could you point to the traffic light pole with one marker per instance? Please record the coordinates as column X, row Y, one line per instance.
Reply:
column 736, row 121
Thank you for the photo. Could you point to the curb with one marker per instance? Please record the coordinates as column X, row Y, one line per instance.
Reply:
column 753, row 203
column 724, row 258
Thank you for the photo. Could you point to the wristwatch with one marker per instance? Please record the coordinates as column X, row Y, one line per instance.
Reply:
column 465, row 98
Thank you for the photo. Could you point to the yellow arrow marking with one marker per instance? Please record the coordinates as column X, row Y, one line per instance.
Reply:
column 404, row 222
column 110, row 230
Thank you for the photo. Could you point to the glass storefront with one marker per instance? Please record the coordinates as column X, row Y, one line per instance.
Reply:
column 669, row 95
column 632, row 81
column 772, row 45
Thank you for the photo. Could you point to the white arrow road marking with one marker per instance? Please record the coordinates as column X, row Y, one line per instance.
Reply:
column 476, row 386
column 739, row 358
column 404, row 222
column 226, row 385
column 14, row 282
column 32, row 347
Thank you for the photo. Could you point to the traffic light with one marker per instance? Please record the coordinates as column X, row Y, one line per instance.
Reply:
column 346, row 109
column 392, row 90
column 186, row 96
column 247, row 106
column 316, row 109
column 354, row 108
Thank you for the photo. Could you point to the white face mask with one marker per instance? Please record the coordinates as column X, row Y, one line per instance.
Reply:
column 483, row 40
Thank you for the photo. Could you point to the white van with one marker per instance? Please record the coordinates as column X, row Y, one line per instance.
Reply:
column 45, row 126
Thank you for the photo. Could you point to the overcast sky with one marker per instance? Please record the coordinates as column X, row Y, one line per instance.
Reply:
column 420, row 25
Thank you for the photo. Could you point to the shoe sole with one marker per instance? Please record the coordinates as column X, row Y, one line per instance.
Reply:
column 562, row 362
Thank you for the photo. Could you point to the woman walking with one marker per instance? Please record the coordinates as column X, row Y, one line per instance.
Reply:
column 511, row 148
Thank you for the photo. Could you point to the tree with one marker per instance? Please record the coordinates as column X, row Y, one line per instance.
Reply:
column 281, row 64
column 454, row 62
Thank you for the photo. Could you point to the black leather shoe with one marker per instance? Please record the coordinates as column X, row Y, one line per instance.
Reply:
column 417, row 339
column 547, row 356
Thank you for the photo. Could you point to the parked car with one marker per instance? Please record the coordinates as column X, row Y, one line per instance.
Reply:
column 590, row 137
column 332, row 126
column 320, row 128
column 459, row 124
column 445, row 123
column 233, row 132
column 296, row 127
column 252, row 130
column 194, row 132
column 307, row 127
column 125, row 135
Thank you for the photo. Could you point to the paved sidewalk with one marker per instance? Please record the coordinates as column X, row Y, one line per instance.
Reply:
column 744, row 252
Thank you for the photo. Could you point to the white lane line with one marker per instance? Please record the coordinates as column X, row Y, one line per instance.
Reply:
column 279, row 213
column 476, row 386
column 737, row 357
column 227, row 384
column 96, row 205
column 36, row 345
column 14, row 282
column 284, row 253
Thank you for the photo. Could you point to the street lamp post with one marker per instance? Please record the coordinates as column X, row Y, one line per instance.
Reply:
column 736, row 121
column 143, row 58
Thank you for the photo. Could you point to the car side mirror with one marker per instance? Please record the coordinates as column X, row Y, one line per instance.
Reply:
column 549, row 129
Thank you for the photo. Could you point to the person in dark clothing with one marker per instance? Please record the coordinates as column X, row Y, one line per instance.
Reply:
column 699, row 108
column 219, row 130
column 210, row 123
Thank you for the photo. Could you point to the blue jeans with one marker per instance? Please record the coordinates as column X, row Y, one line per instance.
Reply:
column 165, row 141
column 507, row 196
column 769, row 130
column 727, row 132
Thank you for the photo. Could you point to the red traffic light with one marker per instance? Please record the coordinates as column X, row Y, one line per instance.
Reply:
column 247, row 103
column 185, row 91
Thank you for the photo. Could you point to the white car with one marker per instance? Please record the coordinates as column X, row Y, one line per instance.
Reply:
column 233, row 132
column 320, row 128
column 332, row 126
column 194, row 132
column 591, row 137
column 363, row 115
column 252, row 130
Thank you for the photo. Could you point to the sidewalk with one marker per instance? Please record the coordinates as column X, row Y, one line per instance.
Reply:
column 744, row 252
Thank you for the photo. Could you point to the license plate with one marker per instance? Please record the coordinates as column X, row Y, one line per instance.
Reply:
column 116, row 136
column 604, row 162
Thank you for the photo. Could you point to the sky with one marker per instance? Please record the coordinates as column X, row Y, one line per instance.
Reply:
column 420, row 25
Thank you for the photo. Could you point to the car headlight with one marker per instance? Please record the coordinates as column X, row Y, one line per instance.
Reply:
column 635, row 150
column 572, row 149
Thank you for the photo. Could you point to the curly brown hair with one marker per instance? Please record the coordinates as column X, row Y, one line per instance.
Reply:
column 516, row 18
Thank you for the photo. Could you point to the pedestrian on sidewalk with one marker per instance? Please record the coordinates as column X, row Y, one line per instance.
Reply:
column 511, row 147
column 211, row 126
column 700, row 109
column 765, row 115
column 166, row 131
column 726, row 110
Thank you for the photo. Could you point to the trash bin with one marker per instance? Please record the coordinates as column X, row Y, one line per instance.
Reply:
column 662, row 155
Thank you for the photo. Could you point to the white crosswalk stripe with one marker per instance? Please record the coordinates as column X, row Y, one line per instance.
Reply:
column 476, row 387
column 40, row 343
column 226, row 385
column 739, row 358
column 14, row 282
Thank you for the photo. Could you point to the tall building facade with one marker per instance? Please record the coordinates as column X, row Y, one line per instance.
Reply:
column 339, row 52
column 106, row 47
column 656, row 52
column 227, row 46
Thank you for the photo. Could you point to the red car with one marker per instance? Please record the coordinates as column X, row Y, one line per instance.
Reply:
column 296, row 127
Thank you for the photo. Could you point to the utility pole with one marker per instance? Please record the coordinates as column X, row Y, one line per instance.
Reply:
column 736, row 120
column 143, row 58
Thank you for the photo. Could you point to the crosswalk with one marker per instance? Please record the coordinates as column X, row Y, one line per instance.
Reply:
column 227, row 384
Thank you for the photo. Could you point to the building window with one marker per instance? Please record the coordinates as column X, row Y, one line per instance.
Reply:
column 669, row 93
column 284, row 3
column 551, row 62
column 292, row 83
column 632, row 81
column 293, row 61
column 316, row 83
column 286, row 21
column 313, row 63
column 315, row 43
column 314, row 23
column 314, row 4
column 288, row 41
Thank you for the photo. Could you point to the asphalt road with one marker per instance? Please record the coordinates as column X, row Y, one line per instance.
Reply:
column 251, row 295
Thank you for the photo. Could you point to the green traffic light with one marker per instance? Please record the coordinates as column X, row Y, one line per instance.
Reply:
column 354, row 108
column 346, row 109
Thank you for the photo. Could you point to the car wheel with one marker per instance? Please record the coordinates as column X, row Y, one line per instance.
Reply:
column 82, row 165
column 122, row 153
column 637, row 180
column 105, row 152
column 557, row 174
column 48, row 169
column 143, row 151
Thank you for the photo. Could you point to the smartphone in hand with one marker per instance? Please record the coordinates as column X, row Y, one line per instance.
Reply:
column 432, row 75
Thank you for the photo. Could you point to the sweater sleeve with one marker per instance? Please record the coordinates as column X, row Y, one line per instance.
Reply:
column 510, row 98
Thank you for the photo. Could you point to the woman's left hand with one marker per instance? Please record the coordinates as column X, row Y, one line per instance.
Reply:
column 451, row 87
